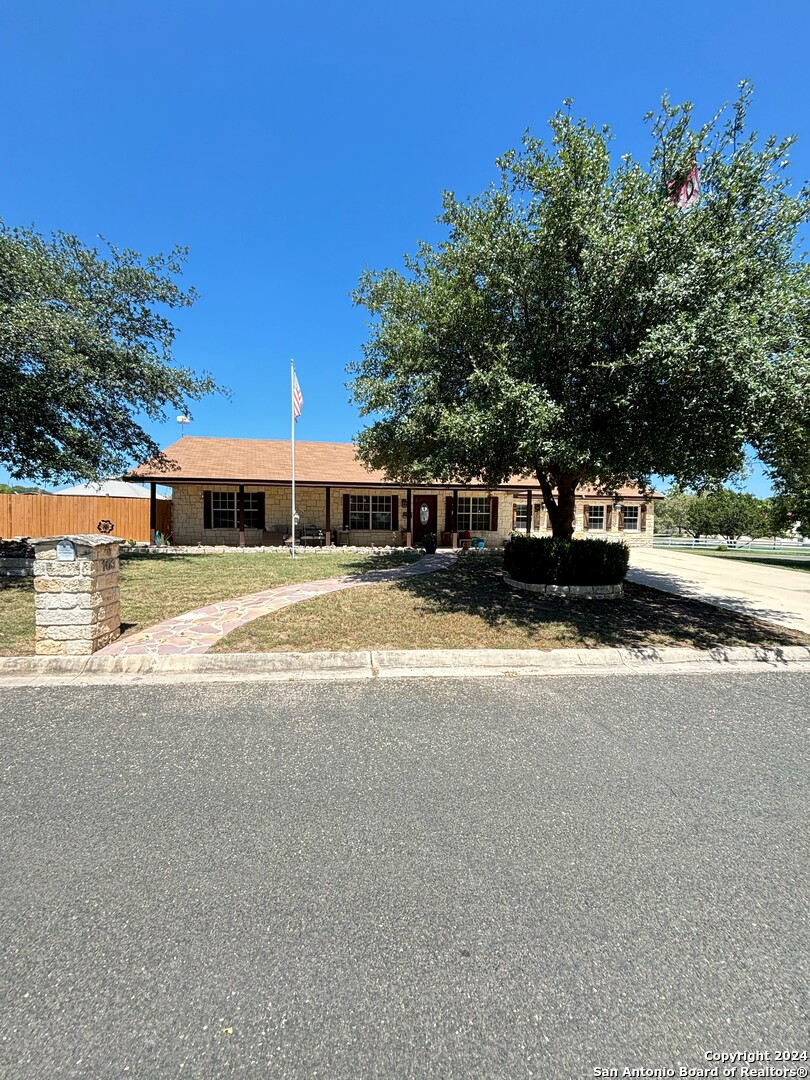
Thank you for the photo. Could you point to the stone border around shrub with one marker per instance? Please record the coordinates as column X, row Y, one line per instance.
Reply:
column 587, row 592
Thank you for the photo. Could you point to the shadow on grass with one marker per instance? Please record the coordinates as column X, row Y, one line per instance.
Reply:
column 17, row 584
column 642, row 616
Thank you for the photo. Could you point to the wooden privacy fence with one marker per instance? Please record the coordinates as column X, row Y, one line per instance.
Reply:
column 51, row 515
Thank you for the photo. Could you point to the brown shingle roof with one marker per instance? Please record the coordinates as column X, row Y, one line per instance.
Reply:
column 260, row 461
column 267, row 461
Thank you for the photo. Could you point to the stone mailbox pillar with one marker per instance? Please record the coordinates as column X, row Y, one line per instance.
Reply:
column 78, row 606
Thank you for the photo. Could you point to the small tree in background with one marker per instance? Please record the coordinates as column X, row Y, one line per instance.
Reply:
column 672, row 515
column 585, row 322
column 732, row 514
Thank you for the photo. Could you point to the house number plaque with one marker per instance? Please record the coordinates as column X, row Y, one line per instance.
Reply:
column 424, row 513
column 65, row 551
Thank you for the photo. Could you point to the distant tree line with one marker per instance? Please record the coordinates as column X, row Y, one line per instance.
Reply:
column 21, row 489
column 725, row 513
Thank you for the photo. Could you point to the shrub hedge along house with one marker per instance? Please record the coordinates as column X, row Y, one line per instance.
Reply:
column 238, row 492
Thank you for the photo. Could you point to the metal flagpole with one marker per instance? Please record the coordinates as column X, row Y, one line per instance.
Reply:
column 292, row 416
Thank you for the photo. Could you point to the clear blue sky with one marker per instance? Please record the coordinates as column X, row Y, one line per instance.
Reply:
column 292, row 144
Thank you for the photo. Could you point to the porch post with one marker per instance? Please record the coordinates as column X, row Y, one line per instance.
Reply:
column 328, row 530
column 529, row 512
column 152, row 512
column 241, row 509
column 408, row 533
column 455, row 518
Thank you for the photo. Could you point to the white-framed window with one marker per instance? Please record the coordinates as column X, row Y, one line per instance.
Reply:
column 631, row 518
column 225, row 510
column 521, row 516
column 475, row 514
column 596, row 518
column 370, row 512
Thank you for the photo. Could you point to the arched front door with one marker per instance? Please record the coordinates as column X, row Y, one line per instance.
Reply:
column 424, row 516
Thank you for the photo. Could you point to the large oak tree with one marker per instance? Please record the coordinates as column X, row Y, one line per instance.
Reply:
column 586, row 322
column 86, row 355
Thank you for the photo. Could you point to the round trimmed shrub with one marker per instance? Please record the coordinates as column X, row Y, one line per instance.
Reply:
column 548, row 560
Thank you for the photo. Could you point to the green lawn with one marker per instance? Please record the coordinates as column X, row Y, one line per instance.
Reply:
column 465, row 607
column 802, row 562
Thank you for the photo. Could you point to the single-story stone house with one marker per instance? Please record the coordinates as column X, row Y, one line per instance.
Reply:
column 238, row 491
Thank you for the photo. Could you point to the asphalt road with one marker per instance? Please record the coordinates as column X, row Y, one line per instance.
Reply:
column 453, row 879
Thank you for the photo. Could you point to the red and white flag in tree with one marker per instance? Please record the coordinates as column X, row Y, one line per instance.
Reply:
column 687, row 192
column 297, row 397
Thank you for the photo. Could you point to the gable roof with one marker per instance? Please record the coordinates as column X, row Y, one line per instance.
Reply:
column 199, row 459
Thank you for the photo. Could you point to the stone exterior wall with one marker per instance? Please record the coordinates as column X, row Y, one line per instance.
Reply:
column 188, row 526
column 632, row 537
column 78, row 605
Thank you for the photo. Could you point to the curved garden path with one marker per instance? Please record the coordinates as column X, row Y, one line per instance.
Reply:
column 197, row 631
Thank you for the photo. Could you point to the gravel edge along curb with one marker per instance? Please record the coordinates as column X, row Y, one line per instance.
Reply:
column 369, row 664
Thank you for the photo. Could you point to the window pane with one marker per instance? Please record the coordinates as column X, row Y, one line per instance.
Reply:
column 474, row 514
column 480, row 516
column 252, row 520
column 223, row 507
column 521, row 515
column 381, row 511
column 359, row 512
column 631, row 518
column 463, row 522
column 596, row 517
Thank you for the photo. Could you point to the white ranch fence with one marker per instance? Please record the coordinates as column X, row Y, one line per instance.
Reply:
column 797, row 547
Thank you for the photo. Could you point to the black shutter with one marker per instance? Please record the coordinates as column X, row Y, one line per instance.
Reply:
column 346, row 514
column 207, row 510
column 494, row 513
column 395, row 512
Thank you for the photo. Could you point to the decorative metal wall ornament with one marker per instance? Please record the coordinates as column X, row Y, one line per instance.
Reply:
column 105, row 526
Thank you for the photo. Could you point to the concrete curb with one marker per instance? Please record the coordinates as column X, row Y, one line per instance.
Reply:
column 421, row 663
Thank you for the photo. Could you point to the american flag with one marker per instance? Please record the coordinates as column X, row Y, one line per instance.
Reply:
column 687, row 193
column 297, row 397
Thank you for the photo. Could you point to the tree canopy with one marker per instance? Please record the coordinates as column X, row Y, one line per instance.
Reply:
column 722, row 512
column 85, row 355
column 586, row 321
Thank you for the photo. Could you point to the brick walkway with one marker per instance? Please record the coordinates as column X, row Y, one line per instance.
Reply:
column 197, row 631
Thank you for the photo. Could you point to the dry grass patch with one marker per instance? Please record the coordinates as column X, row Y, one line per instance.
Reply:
column 158, row 587
column 16, row 616
column 470, row 607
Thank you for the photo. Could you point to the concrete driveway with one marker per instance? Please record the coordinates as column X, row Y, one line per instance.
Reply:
column 765, row 592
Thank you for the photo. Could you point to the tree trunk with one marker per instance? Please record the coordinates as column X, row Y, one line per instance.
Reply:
column 561, row 513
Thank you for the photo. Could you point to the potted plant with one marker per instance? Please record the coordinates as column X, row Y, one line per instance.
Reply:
column 429, row 543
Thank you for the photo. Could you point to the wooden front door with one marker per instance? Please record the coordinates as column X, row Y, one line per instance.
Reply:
column 424, row 516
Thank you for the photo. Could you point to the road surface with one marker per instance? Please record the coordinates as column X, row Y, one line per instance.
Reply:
column 460, row 879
